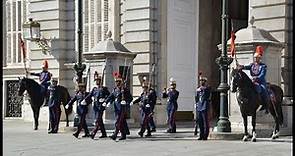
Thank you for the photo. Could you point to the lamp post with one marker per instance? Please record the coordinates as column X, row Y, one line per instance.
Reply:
column 223, row 124
column 79, row 67
column 32, row 33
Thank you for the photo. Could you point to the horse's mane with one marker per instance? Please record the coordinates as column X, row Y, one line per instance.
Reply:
column 32, row 82
column 246, row 80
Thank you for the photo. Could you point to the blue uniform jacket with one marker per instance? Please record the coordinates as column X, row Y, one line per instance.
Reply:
column 147, row 99
column 116, row 97
column 258, row 72
column 54, row 99
column 202, row 98
column 100, row 95
column 44, row 78
column 153, row 98
column 79, row 97
column 172, row 96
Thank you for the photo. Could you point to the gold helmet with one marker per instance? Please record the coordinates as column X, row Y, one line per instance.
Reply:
column 145, row 83
column 172, row 81
column 97, row 76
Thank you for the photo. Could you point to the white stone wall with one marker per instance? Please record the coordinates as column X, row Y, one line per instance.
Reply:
column 182, row 55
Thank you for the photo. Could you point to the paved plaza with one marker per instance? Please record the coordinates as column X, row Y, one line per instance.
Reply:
column 21, row 140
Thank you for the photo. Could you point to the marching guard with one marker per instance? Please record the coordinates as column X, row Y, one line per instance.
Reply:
column 54, row 106
column 82, row 108
column 100, row 93
column 146, row 100
column 202, row 103
column 172, row 95
column 122, row 98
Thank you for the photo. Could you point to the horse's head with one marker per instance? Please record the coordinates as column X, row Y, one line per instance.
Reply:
column 22, row 86
column 236, row 78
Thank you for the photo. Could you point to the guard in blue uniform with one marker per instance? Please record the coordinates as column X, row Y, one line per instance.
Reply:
column 172, row 95
column 145, row 100
column 202, row 103
column 54, row 107
column 153, row 104
column 122, row 98
column 258, row 73
column 82, row 108
column 44, row 78
column 100, row 93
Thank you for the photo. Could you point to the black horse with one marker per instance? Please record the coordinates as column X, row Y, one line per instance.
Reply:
column 249, row 101
column 36, row 98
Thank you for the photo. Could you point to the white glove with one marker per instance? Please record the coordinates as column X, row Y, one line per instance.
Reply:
column 104, row 104
column 195, row 105
column 67, row 106
column 131, row 103
column 83, row 102
column 108, row 105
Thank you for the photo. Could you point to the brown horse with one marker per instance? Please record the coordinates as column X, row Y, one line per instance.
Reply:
column 249, row 101
column 36, row 99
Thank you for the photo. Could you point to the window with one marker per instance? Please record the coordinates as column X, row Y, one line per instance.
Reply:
column 16, row 14
column 95, row 22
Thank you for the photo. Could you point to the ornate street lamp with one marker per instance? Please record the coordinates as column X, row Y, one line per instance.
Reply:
column 32, row 33
column 223, row 124
column 79, row 67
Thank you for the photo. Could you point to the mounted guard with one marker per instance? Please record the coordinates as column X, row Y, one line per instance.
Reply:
column 44, row 78
column 258, row 72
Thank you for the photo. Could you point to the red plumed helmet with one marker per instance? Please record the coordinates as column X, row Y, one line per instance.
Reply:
column 45, row 64
column 117, row 76
column 259, row 50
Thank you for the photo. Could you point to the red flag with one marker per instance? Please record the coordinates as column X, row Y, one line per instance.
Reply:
column 232, row 44
column 22, row 45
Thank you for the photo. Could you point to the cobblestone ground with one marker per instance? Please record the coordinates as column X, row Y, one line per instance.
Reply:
column 21, row 139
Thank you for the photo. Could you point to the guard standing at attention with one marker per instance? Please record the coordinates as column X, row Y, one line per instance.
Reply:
column 172, row 95
column 202, row 103
column 54, row 106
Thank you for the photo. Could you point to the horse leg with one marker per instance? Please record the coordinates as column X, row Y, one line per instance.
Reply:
column 253, row 127
column 36, row 117
column 245, row 128
column 275, row 133
column 67, row 116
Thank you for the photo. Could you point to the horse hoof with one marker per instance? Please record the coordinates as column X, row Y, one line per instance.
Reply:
column 245, row 138
column 35, row 128
column 253, row 139
column 274, row 137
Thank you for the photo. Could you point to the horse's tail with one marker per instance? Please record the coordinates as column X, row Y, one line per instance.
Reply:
column 278, row 104
column 66, row 98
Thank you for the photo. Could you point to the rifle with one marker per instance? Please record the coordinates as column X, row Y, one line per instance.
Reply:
column 150, row 75
column 88, row 78
column 124, row 85
column 102, row 77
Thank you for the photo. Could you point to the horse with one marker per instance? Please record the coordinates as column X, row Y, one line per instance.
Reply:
column 36, row 99
column 249, row 101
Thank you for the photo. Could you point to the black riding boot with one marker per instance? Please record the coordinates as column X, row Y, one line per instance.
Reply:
column 265, row 104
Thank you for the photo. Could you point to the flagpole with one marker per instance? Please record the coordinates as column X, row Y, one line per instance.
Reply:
column 22, row 44
column 233, row 41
